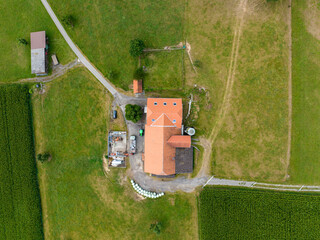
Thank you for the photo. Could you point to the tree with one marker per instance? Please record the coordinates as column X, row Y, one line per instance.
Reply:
column 133, row 112
column 44, row 157
column 139, row 74
column 136, row 47
column 69, row 20
column 23, row 41
column 156, row 227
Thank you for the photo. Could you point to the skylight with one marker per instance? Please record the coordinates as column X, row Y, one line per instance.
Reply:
column 155, row 103
column 175, row 104
column 153, row 119
column 174, row 121
column 165, row 103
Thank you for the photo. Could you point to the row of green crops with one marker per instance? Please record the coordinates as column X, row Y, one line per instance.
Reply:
column 232, row 213
column 20, row 205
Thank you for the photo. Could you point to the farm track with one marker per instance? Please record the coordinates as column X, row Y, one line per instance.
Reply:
column 205, row 169
column 289, row 89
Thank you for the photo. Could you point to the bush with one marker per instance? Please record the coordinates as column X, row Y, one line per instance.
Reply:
column 43, row 157
column 23, row 41
column 156, row 227
column 69, row 20
column 197, row 63
column 133, row 112
column 139, row 74
column 136, row 47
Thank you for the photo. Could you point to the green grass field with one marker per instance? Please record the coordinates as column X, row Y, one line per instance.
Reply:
column 305, row 165
column 103, row 30
column 20, row 208
column 18, row 19
column 232, row 213
column 253, row 140
column 79, row 201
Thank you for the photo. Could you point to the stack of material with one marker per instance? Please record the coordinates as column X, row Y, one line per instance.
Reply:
column 145, row 193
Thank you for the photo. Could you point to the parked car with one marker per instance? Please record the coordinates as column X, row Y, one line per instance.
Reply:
column 114, row 115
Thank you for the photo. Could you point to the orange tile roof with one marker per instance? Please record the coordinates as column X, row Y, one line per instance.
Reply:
column 137, row 86
column 180, row 141
column 164, row 120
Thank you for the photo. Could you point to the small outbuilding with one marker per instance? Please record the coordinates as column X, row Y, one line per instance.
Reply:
column 38, row 53
column 137, row 86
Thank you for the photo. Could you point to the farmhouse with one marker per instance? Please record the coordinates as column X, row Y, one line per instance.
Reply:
column 38, row 53
column 167, row 150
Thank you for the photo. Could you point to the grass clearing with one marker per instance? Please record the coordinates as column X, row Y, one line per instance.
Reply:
column 304, row 165
column 233, row 213
column 104, row 29
column 20, row 207
column 164, row 71
column 71, row 122
column 18, row 19
column 253, row 140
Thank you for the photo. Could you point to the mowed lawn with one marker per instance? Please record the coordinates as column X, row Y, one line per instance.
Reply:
column 20, row 205
column 233, row 213
column 305, row 157
column 17, row 20
column 103, row 30
column 79, row 201
column 253, row 140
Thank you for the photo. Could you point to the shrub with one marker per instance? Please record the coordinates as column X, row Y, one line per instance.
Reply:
column 43, row 157
column 156, row 227
column 69, row 20
column 133, row 112
column 23, row 41
column 139, row 74
column 197, row 63
column 136, row 47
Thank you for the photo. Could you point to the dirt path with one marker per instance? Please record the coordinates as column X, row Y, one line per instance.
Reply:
column 228, row 91
column 289, row 88
column 56, row 72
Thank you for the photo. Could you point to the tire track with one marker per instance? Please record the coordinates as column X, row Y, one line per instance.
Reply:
column 205, row 168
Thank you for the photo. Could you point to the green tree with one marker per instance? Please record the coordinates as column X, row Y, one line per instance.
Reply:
column 23, row 41
column 156, row 227
column 69, row 20
column 136, row 47
column 133, row 112
column 139, row 74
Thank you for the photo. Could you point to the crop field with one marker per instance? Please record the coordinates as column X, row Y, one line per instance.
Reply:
column 305, row 164
column 19, row 18
column 103, row 30
column 20, row 207
column 79, row 202
column 233, row 213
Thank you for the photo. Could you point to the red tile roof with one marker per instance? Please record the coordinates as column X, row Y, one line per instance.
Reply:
column 137, row 86
column 180, row 141
column 164, row 120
